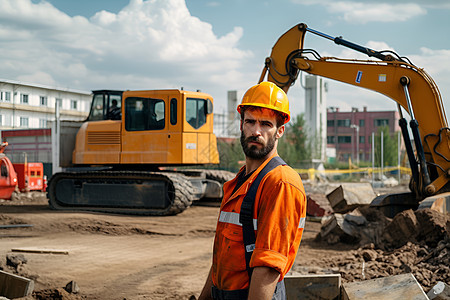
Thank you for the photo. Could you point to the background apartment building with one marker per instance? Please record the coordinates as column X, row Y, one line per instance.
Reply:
column 27, row 105
column 351, row 132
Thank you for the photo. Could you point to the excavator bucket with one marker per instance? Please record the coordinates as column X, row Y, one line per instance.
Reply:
column 392, row 204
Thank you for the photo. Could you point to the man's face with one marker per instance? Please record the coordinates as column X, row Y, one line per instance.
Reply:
column 259, row 133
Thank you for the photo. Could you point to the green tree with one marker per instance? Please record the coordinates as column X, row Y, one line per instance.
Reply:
column 230, row 153
column 389, row 148
column 293, row 147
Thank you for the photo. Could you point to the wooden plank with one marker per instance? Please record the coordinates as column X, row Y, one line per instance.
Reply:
column 40, row 251
column 13, row 286
column 315, row 287
column 404, row 286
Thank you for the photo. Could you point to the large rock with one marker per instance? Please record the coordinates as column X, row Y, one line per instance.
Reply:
column 349, row 196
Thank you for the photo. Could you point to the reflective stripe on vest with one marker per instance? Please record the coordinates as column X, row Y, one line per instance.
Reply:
column 233, row 218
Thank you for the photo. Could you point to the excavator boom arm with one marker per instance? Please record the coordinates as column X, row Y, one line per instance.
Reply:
column 411, row 87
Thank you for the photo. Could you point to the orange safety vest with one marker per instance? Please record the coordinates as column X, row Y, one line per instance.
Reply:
column 278, row 218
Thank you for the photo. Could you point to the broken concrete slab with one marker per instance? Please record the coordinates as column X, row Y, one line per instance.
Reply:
column 404, row 286
column 348, row 196
column 342, row 228
column 363, row 225
column 313, row 286
column 13, row 286
column 440, row 203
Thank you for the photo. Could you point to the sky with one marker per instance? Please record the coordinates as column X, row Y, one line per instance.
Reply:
column 211, row 45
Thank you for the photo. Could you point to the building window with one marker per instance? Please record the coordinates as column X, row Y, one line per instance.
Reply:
column 42, row 123
column 43, row 100
column 5, row 96
column 362, row 123
column 23, row 121
column 73, row 104
column 330, row 123
column 380, row 122
column 331, row 139
column 343, row 123
column 344, row 139
column 24, row 99
column 362, row 139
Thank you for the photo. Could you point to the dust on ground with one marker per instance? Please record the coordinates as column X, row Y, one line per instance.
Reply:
column 135, row 257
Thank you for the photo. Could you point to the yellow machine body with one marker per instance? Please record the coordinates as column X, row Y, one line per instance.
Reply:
column 181, row 132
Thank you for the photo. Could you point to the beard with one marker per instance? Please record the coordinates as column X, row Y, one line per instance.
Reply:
column 252, row 151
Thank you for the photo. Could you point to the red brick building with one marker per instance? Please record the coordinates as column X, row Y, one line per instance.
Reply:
column 344, row 127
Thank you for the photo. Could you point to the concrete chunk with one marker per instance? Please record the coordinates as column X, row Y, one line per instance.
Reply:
column 13, row 286
column 313, row 286
column 348, row 196
column 404, row 286
column 440, row 203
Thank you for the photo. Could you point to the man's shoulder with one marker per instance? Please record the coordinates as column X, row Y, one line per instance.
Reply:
column 286, row 174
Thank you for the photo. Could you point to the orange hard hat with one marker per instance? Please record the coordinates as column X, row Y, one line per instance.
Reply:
column 267, row 95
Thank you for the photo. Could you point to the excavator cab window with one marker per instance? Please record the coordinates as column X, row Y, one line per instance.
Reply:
column 114, row 110
column 106, row 105
column 196, row 111
column 144, row 114
column 173, row 111
column 97, row 108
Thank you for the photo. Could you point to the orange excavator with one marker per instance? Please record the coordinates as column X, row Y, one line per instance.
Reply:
column 124, row 155
column 393, row 76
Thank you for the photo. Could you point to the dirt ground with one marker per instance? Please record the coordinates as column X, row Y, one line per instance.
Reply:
column 123, row 257
column 131, row 257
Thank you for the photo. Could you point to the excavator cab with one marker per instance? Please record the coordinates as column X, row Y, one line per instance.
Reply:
column 127, row 150
column 152, row 128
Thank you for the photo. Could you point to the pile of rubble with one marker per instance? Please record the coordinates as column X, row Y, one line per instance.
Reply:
column 426, row 255
column 416, row 242
column 14, row 271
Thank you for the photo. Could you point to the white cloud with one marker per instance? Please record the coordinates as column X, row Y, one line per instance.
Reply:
column 362, row 12
column 147, row 45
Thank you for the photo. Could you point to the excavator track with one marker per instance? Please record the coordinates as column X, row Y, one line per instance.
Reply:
column 124, row 192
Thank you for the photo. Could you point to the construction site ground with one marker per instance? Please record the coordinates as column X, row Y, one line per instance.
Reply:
column 129, row 257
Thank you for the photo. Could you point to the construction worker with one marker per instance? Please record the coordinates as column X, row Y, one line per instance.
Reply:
column 265, row 202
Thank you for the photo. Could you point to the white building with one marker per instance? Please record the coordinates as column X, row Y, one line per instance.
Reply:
column 27, row 105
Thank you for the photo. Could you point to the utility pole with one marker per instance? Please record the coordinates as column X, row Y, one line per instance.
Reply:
column 354, row 126
column 373, row 158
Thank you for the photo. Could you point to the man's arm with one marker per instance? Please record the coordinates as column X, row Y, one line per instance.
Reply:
column 263, row 283
column 206, row 292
